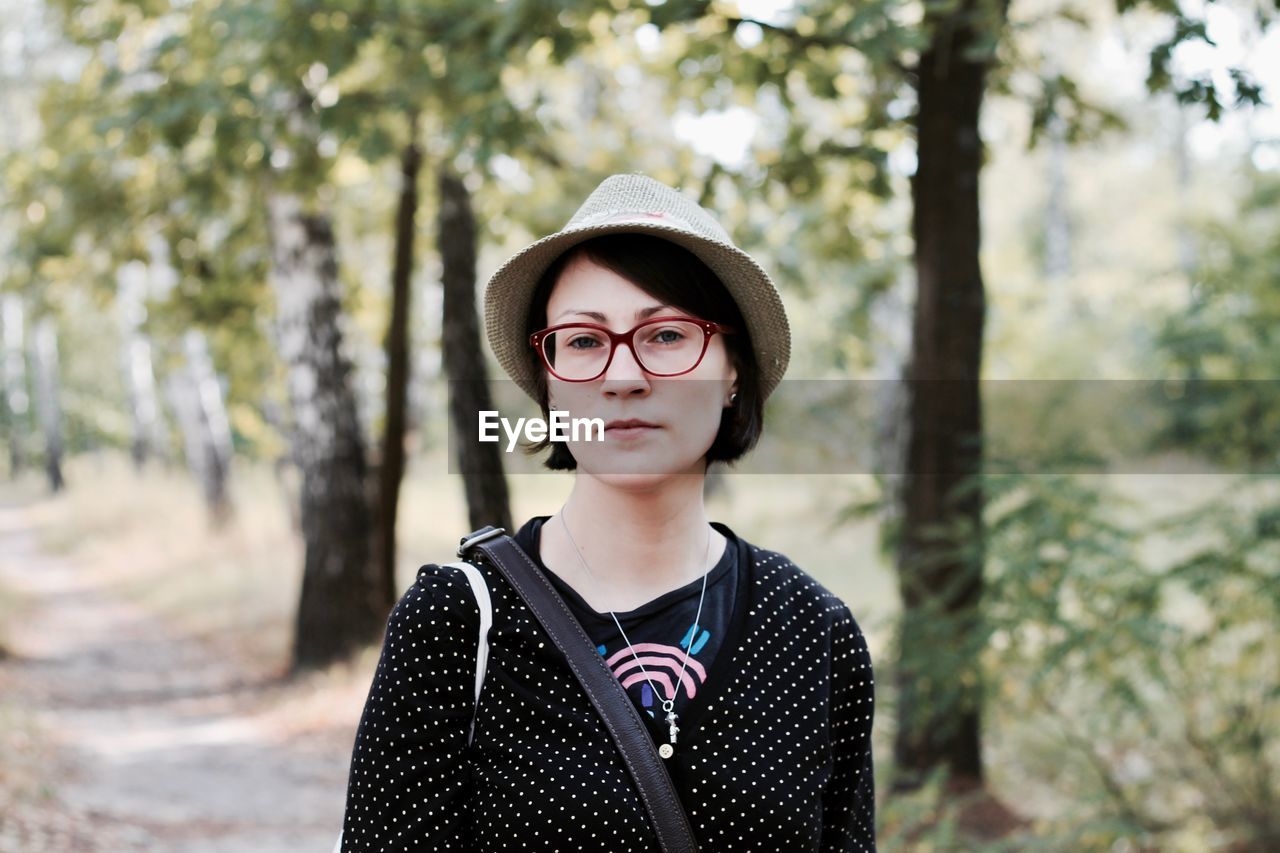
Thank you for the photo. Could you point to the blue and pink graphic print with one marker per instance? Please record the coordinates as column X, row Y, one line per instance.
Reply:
column 662, row 663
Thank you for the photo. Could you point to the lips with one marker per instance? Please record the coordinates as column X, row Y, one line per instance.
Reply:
column 631, row 423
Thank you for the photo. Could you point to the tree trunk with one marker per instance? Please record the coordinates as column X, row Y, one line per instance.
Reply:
column 47, row 402
column 212, row 429
column 939, row 692
column 1187, row 261
column 483, row 477
column 1057, row 216
column 180, row 388
column 340, row 608
column 285, row 467
column 144, row 409
column 391, row 468
column 143, row 403
column 17, row 404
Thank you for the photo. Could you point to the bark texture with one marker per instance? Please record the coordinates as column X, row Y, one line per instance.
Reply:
column 17, row 404
column 938, row 677
column 139, row 371
column 207, row 426
column 391, row 467
column 340, row 608
column 483, row 477
column 48, row 401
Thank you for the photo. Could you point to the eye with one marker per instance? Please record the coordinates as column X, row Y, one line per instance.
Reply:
column 582, row 342
column 667, row 336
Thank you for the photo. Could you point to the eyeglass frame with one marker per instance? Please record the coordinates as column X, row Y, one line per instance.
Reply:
column 709, row 328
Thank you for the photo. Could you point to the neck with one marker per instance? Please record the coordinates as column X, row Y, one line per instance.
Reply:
column 635, row 542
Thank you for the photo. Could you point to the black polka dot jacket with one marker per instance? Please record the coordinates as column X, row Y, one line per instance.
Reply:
column 774, row 754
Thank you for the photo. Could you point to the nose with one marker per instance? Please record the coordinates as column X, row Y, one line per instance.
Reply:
column 625, row 376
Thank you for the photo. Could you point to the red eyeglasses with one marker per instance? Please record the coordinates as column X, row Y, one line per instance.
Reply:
column 663, row 346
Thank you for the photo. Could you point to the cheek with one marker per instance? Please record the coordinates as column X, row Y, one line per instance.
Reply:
column 574, row 397
column 699, row 406
column 716, row 364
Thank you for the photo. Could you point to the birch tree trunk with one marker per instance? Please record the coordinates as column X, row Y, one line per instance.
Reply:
column 144, row 408
column 483, row 477
column 48, row 405
column 17, row 404
column 144, row 404
column 285, row 467
column 213, row 429
column 1057, row 217
column 340, row 608
column 180, row 389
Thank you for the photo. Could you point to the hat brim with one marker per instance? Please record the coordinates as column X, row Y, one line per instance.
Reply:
column 509, row 295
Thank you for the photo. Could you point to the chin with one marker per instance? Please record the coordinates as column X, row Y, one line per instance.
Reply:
column 636, row 471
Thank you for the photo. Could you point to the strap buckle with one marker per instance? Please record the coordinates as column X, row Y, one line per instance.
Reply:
column 479, row 536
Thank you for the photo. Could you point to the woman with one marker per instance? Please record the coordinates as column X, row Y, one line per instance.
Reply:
column 754, row 679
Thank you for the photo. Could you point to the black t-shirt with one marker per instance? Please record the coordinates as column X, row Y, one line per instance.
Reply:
column 659, row 631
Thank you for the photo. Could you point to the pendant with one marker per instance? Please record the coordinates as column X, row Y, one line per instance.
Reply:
column 667, row 750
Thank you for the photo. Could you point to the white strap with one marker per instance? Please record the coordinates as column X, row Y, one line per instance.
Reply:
column 481, row 590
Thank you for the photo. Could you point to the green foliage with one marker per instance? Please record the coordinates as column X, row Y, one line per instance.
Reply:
column 1060, row 98
column 1153, row 684
column 922, row 820
column 184, row 115
column 1129, row 666
column 1224, row 343
column 1204, row 90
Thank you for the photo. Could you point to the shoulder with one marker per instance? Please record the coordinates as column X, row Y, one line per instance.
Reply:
column 781, row 583
column 439, row 594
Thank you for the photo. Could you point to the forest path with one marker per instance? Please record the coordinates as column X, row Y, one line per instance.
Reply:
column 157, row 742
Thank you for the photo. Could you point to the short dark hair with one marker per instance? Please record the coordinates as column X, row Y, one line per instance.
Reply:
column 676, row 276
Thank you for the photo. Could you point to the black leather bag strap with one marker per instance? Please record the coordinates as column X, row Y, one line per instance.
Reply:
column 609, row 698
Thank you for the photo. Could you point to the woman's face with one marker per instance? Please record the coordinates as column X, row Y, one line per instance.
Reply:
column 684, row 410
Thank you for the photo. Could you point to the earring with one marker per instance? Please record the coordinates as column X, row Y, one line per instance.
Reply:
column 733, row 398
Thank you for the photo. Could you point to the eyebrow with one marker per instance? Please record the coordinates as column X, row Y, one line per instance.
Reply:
column 597, row 316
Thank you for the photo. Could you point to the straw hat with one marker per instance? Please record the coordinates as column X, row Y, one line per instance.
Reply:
column 637, row 204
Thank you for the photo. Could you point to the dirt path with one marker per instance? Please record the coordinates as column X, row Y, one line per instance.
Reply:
column 159, row 744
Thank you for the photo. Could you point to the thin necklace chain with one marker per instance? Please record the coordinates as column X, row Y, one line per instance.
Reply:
column 668, row 705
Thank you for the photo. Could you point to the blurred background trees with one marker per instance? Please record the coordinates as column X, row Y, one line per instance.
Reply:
column 286, row 211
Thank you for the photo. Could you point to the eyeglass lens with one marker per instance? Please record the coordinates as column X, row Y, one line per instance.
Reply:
column 579, row 353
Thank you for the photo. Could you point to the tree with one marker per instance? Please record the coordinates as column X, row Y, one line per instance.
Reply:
column 1224, row 342
column 481, row 464
column 218, row 120
column 16, row 398
column 48, row 399
column 340, row 607
column 396, row 343
column 144, row 406
column 241, row 110
column 195, row 395
column 943, row 63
